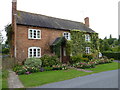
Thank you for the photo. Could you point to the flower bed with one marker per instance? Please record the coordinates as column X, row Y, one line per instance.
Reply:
column 92, row 63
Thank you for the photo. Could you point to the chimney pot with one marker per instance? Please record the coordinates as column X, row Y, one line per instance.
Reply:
column 86, row 21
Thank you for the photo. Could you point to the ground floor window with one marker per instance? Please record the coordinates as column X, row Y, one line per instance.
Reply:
column 87, row 50
column 34, row 52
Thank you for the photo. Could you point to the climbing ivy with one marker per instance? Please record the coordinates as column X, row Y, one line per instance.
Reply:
column 79, row 43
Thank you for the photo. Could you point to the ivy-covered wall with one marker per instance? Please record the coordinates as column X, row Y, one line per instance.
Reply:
column 79, row 44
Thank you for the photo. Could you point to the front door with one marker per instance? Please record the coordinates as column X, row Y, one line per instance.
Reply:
column 64, row 57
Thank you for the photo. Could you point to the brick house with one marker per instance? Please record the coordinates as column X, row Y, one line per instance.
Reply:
column 35, row 33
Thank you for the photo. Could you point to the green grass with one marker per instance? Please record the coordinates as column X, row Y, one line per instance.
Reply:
column 104, row 67
column 40, row 78
column 4, row 79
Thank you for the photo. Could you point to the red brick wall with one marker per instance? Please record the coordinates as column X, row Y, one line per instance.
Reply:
column 23, row 43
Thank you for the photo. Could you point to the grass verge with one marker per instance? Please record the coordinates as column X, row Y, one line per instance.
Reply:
column 40, row 78
column 4, row 79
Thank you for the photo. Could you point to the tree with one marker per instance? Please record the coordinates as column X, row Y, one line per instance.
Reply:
column 119, row 40
column 8, row 29
column 110, row 36
column 106, row 46
column 105, row 38
column 1, row 38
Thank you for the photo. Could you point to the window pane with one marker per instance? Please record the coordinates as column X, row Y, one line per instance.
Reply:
column 38, row 52
column 30, row 33
column 30, row 52
column 34, row 53
column 34, row 33
column 38, row 34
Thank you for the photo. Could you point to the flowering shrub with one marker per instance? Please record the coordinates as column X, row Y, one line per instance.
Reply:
column 33, row 62
column 92, row 63
column 84, row 65
column 49, row 60
column 25, row 70
column 75, row 59
column 59, row 67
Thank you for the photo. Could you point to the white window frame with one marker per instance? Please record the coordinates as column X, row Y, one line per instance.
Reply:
column 67, row 36
column 29, row 36
column 33, row 52
column 87, row 37
column 87, row 50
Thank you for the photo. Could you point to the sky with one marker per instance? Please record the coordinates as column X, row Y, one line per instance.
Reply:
column 103, row 14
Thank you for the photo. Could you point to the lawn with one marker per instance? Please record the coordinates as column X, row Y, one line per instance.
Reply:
column 40, row 78
column 4, row 79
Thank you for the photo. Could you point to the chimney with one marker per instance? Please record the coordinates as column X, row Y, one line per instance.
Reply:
column 14, row 13
column 86, row 21
column 14, row 6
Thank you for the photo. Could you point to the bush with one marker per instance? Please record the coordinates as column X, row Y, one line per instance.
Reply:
column 85, row 59
column 33, row 62
column 84, row 65
column 48, row 68
column 89, row 56
column 112, row 55
column 5, row 50
column 25, row 70
column 75, row 59
column 49, row 60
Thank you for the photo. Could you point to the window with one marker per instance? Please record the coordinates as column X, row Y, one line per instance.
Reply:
column 87, row 37
column 87, row 50
column 34, row 52
column 66, row 35
column 34, row 34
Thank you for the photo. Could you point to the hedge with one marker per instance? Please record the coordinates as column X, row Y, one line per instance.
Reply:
column 115, row 55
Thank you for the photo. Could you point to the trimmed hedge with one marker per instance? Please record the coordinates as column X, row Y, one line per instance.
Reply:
column 115, row 55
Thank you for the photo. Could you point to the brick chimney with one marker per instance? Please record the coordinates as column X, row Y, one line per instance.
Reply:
column 86, row 21
column 14, row 13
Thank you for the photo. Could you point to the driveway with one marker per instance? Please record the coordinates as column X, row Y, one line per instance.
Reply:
column 108, row 79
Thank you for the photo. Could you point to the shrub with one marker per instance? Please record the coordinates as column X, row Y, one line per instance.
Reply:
column 5, row 50
column 115, row 55
column 48, row 68
column 84, row 65
column 49, row 60
column 33, row 62
column 25, row 70
column 89, row 56
column 75, row 59
column 85, row 59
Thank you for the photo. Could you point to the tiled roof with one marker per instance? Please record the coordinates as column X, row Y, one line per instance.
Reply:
column 31, row 19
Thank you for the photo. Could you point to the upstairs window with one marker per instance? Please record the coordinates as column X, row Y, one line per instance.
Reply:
column 34, row 52
column 66, row 35
column 87, row 50
column 34, row 34
column 87, row 37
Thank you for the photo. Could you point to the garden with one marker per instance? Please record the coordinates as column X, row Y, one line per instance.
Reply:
column 52, row 63
column 48, row 69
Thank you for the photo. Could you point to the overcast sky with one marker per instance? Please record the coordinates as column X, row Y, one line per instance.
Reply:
column 103, row 14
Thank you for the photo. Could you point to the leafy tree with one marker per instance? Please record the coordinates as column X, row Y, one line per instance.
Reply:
column 105, row 38
column 110, row 36
column 8, row 29
column 106, row 46
column 119, row 40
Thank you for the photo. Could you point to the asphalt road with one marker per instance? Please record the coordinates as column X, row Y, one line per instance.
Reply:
column 108, row 79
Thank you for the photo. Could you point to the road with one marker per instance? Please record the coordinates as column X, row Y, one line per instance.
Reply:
column 108, row 79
